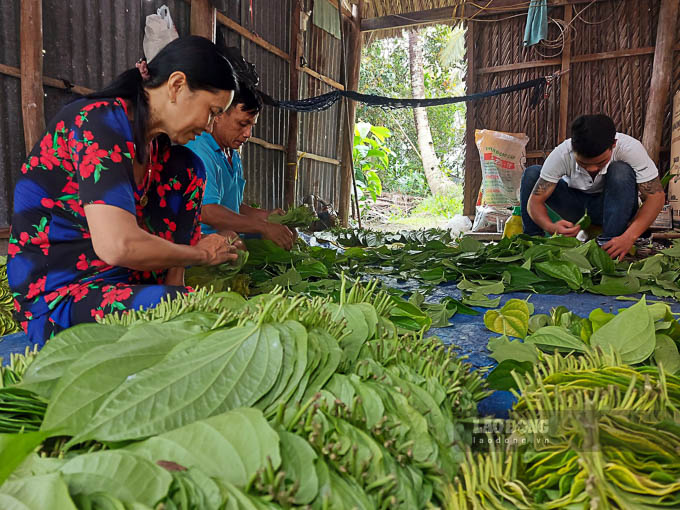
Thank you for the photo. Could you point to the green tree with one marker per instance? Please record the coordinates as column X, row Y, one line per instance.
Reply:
column 385, row 71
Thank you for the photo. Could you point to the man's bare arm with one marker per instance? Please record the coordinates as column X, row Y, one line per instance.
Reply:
column 653, row 198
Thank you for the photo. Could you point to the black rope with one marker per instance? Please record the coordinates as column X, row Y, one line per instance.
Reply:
column 325, row 101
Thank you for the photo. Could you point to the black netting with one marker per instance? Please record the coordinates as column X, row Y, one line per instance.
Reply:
column 325, row 101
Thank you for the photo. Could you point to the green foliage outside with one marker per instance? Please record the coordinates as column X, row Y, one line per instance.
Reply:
column 385, row 71
column 442, row 205
column 371, row 157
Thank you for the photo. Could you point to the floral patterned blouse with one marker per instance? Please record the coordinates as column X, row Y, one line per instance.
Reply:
column 86, row 157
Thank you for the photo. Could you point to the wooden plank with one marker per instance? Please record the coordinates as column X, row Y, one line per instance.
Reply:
column 321, row 77
column 4, row 233
column 306, row 155
column 446, row 14
column 472, row 176
column 657, row 101
column 32, row 95
column 266, row 145
column 634, row 52
column 291, row 171
column 565, row 78
column 50, row 82
column 353, row 64
column 518, row 66
column 203, row 19
column 231, row 24
column 322, row 159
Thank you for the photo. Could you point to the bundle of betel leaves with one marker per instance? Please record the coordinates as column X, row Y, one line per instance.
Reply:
column 214, row 401
column 596, row 420
column 297, row 217
column 7, row 323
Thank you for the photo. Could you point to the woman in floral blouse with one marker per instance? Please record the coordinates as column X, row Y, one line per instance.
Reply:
column 106, row 210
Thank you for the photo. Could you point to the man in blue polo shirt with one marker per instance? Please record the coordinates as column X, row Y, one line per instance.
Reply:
column 223, row 208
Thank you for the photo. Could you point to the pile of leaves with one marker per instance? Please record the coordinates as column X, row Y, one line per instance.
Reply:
column 212, row 401
column 375, row 238
column 642, row 333
column 587, row 432
column 297, row 217
column 7, row 323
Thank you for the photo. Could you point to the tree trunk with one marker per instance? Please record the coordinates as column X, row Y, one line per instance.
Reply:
column 436, row 180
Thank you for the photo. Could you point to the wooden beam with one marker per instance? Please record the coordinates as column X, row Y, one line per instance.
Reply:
column 657, row 101
column 473, row 172
column 266, row 145
column 354, row 42
column 203, row 16
column 231, row 24
column 478, row 8
column 321, row 77
column 50, row 82
column 565, row 77
column 291, row 171
column 521, row 65
column 321, row 159
column 32, row 95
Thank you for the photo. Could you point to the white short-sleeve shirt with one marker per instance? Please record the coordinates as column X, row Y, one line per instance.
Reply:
column 561, row 164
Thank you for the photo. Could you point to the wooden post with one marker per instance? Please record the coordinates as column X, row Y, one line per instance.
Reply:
column 564, row 78
column 473, row 171
column 203, row 19
column 354, row 42
column 32, row 95
column 293, row 126
column 657, row 101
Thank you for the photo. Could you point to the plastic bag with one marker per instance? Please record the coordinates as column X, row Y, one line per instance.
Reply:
column 458, row 225
column 159, row 31
column 490, row 218
column 503, row 157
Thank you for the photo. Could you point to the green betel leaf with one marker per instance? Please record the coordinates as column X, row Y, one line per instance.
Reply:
column 511, row 320
column 599, row 258
column 123, row 475
column 90, row 379
column 616, row 286
column 41, row 376
column 297, row 461
column 538, row 321
column 550, row 338
column 631, row 333
column 562, row 270
column 232, row 446
column 502, row 348
column 666, row 354
column 229, row 369
column 36, row 493
column 476, row 299
column 500, row 378
column 599, row 318
column 298, row 217
column 14, row 448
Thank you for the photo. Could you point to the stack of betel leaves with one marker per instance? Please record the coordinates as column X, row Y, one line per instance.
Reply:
column 7, row 323
column 212, row 401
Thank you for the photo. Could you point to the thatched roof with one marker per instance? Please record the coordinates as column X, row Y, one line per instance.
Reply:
column 380, row 8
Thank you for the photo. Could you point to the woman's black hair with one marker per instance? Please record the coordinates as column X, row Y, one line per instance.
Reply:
column 205, row 67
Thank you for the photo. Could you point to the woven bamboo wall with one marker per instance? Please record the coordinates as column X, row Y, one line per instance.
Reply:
column 610, row 69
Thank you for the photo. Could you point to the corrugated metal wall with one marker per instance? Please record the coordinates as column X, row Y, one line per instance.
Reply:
column 11, row 126
column 618, row 87
column 88, row 43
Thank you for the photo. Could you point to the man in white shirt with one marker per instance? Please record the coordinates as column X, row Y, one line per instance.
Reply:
column 599, row 171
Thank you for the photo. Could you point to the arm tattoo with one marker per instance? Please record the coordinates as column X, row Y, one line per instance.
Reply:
column 650, row 187
column 543, row 187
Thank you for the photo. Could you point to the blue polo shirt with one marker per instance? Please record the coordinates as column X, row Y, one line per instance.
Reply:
column 224, row 181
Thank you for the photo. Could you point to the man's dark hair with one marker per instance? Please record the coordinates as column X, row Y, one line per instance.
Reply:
column 248, row 79
column 591, row 135
column 249, row 98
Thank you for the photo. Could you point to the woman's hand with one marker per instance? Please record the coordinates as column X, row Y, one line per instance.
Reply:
column 216, row 250
column 233, row 238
